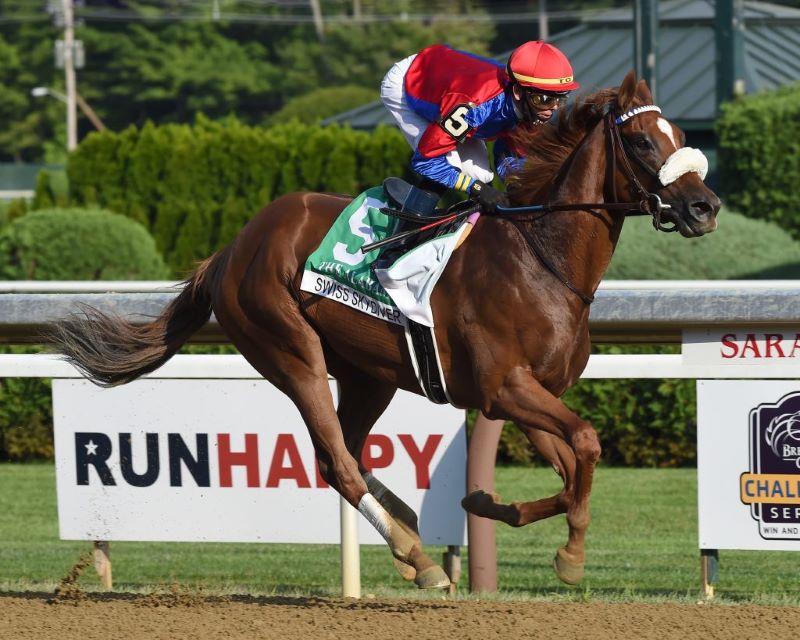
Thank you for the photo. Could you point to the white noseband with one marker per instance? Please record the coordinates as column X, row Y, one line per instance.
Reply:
column 684, row 160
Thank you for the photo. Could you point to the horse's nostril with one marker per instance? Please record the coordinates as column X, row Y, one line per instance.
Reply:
column 701, row 208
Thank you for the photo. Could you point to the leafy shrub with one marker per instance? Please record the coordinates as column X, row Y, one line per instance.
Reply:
column 759, row 155
column 78, row 244
column 51, row 189
column 13, row 209
column 26, row 416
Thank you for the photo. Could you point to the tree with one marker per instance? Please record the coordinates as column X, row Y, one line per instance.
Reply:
column 318, row 104
column 24, row 121
column 170, row 61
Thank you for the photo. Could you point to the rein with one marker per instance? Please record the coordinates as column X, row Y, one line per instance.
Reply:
column 649, row 203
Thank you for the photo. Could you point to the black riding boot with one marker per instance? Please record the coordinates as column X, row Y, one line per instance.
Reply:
column 407, row 198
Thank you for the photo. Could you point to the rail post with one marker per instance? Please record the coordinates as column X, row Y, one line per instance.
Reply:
column 709, row 572
column 481, row 455
column 102, row 563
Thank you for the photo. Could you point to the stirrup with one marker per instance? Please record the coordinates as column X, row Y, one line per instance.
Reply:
column 410, row 199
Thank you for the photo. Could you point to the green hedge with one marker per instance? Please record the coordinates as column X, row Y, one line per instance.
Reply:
column 759, row 156
column 26, row 416
column 194, row 187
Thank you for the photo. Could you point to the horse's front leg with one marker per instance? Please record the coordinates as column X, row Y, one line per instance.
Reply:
column 517, row 514
column 522, row 399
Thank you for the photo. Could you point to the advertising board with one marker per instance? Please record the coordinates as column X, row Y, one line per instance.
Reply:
column 748, row 464
column 232, row 461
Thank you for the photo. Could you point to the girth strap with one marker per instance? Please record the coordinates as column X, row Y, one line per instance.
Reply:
column 425, row 358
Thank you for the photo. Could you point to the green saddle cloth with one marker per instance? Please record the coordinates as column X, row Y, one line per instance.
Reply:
column 338, row 270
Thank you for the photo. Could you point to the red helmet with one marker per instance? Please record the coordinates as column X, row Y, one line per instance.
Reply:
column 540, row 65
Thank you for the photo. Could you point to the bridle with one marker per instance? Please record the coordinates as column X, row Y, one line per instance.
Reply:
column 647, row 203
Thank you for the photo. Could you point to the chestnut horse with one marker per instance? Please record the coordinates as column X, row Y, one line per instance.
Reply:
column 511, row 313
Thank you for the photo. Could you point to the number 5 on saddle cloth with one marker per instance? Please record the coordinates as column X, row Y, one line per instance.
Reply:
column 395, row 288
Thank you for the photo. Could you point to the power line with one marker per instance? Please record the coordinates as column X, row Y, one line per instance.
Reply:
column 526, row 16
column 200, row 11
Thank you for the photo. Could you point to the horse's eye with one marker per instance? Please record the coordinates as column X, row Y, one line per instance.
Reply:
column 642, row 144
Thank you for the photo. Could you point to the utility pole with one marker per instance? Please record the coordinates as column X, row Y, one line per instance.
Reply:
column 729, row 23
column 645, row 42
column 69, row 75
column 544, row 31
column 316, row 11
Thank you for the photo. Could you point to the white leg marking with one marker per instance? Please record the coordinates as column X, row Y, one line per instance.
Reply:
column 376, row 515
column 666, row 129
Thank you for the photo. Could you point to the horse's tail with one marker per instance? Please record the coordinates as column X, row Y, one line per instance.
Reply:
column 110, row 350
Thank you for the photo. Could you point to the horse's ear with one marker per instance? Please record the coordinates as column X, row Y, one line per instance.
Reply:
column 627, row 90
column 643, row 92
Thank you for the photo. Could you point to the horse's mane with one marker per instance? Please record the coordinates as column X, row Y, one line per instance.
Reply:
column 547, row 146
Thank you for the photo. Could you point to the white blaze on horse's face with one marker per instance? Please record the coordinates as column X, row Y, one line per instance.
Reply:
column 681, row 161
column 666, row 129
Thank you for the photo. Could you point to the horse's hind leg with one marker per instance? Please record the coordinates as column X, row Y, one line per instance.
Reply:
column 361, row 402
column 517, row 514
column 290, row 356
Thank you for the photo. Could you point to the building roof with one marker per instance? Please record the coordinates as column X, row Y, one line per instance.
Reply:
column 601, row 52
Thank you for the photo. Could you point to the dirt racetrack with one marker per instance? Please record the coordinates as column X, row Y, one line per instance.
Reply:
column 173, row 616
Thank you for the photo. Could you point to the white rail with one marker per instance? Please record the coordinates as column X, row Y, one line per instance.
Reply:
column 40, row 365
column 161, row 286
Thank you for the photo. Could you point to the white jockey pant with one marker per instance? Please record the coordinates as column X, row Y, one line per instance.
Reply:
column 470, row 156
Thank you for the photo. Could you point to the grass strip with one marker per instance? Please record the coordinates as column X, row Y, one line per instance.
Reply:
column 642, row 546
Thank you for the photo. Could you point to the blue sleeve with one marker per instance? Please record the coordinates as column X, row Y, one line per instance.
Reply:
column 506, row 162
column 441, row 171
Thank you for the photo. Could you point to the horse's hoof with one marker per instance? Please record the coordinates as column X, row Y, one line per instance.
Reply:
column 566, row 569
column 479, row 502
column 433, row 577
column 406, row 571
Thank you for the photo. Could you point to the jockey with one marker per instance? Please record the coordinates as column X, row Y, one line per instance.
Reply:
column 448, row 103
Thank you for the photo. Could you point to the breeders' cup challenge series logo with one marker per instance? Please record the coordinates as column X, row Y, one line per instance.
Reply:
column 772, row 486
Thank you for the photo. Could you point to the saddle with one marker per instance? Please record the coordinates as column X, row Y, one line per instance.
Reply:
column 419, row 203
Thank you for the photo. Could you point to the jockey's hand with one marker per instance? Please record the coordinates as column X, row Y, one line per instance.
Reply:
column 488, row 197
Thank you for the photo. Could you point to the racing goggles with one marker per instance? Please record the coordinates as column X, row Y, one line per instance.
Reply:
column 547, row 100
